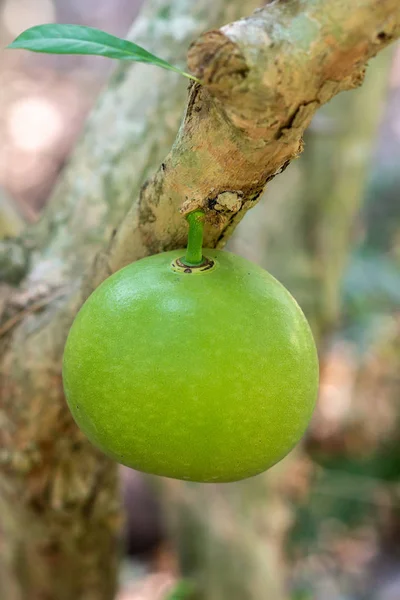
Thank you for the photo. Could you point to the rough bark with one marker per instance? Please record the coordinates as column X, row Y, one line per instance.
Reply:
column 263, row 79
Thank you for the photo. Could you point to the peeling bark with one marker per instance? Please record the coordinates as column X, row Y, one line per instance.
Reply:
column 264, row 77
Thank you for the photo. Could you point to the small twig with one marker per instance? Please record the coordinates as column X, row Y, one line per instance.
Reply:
column 10, row 323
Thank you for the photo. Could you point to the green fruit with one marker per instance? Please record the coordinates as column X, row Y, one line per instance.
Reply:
column 209, row 375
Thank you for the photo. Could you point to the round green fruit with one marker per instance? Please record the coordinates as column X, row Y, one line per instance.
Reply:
column 204, row 374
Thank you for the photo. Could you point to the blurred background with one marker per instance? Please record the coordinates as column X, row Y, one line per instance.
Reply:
column 329, row 229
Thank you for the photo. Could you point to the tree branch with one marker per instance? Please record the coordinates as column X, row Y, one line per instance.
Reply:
column 126, row 137
column 264, row 78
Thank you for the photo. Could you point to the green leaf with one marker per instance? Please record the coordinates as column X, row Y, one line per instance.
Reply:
column 77, row 39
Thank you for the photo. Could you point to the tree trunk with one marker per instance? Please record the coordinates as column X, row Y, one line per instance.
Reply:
column 59, row 505
column 241, row 127
column 231, row 538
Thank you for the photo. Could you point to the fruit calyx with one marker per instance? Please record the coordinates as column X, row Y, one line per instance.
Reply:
column 180, row 267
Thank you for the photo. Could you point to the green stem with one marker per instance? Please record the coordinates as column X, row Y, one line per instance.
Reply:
column 192, row 77
column 194, row 250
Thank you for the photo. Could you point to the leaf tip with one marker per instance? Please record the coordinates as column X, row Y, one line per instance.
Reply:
column 14, row 44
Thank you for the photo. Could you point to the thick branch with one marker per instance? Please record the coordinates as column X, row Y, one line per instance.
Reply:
column 127, row 135
column 264, row 78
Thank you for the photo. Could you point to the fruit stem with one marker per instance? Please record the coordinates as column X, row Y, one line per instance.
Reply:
column 194, row 250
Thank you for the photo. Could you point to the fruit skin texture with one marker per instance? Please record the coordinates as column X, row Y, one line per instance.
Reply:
column 206, row 377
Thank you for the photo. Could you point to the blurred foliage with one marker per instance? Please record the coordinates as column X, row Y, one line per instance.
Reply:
column 345, row 543
column 183, row 590
column 381, row 212
column 371, row 286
